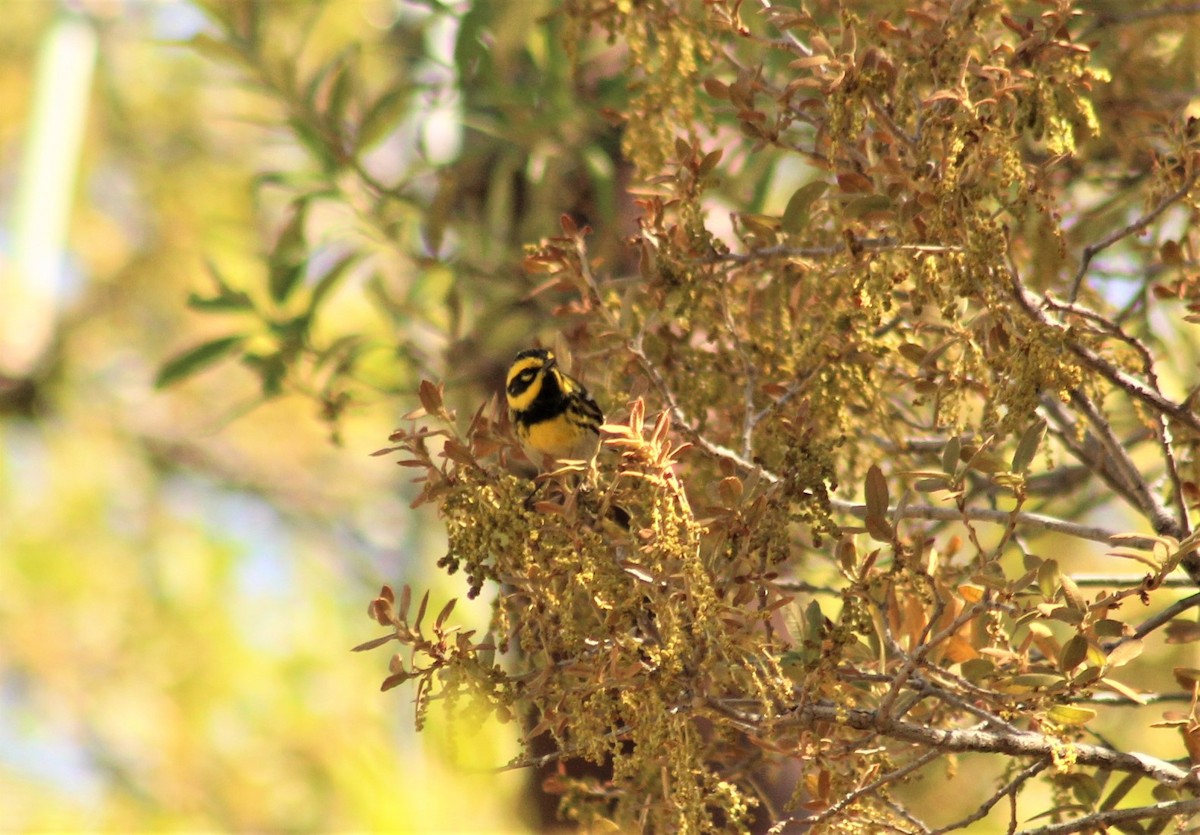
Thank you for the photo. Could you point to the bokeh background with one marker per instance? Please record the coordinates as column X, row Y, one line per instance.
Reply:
column 184, row 569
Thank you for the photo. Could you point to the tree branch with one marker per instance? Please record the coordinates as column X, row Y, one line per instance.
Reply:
column 1025, row 744
column 1100, row 820
column 999, row 517
column 1008, row 789
column 1121, row 379
column 1092, row 250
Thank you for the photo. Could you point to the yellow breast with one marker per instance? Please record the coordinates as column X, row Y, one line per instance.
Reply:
column 559, row 438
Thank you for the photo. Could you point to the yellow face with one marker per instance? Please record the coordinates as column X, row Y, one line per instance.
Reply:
column 525, row 378
column 551, row 412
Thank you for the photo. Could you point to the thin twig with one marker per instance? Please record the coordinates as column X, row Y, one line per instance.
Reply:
column 1101, row 820
column 1162, row 521
column 1090, row 452
column 1008, row 789
column 890, row 777
column 1002, row 517
column 792, row 41
column 1092, row 250
column 926, row 644
column 1166, row 615
column 863, row 244
column 1162, row 431
column 1116, row 581
column 1119, row 378
column 1027, row 744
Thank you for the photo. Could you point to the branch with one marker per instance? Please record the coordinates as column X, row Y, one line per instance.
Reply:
column 1000, row 517
column 1089, row 451
column 1166, row 615
column 836, row 808
column 1143, row 498
column 1163, row 432
column 979, row 740
column 1009, row 789
column 1101, row 820
column 1117, row 581
column 1142, row 700
column 1092, row 250
column 863, row 244
column 1121, row 379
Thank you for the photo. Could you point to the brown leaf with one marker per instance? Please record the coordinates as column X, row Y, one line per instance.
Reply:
column 1188, row 677
column 421, row 612
column 373, row 643
column 431, row 397
column 716, row 89
column 876, row 492
column 959, row 650
column 1072, row 593
column 445, row 613
column 393, row 681
column 1183, row 632
column 879, row 528
column 730, row 490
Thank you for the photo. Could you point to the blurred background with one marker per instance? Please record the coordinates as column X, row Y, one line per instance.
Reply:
column 225, row 238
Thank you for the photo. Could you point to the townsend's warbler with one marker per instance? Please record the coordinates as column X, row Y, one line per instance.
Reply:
column 552, row 412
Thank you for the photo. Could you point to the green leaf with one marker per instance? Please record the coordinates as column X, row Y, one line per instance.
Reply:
column 288, row 259
column 1049, row 578
column 976, row 669
column 1027, row 447
column 221, row 51
column 381, row 117
column 1073, row 595
column 195, row 359
column 950, row 455
column 271, row 371
column 795, row 216
column 1074, row 653
column 928, row 485
column 870, row 207
column 814, row 621
column 311, row 137
column 220, row 302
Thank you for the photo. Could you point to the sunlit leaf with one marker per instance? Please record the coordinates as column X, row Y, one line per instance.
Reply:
column 1125, row 652
column 1027, row 447
column 196, row 359
column 796, row 215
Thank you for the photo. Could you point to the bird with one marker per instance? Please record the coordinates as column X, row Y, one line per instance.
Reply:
column 551, row 411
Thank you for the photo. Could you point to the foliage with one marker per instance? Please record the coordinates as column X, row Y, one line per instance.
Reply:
column 837, row 533
column 174, row 583
column 362, row 198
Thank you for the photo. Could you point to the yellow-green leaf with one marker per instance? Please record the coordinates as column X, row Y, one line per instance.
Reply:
column 1071, row 714
column 799, row 207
